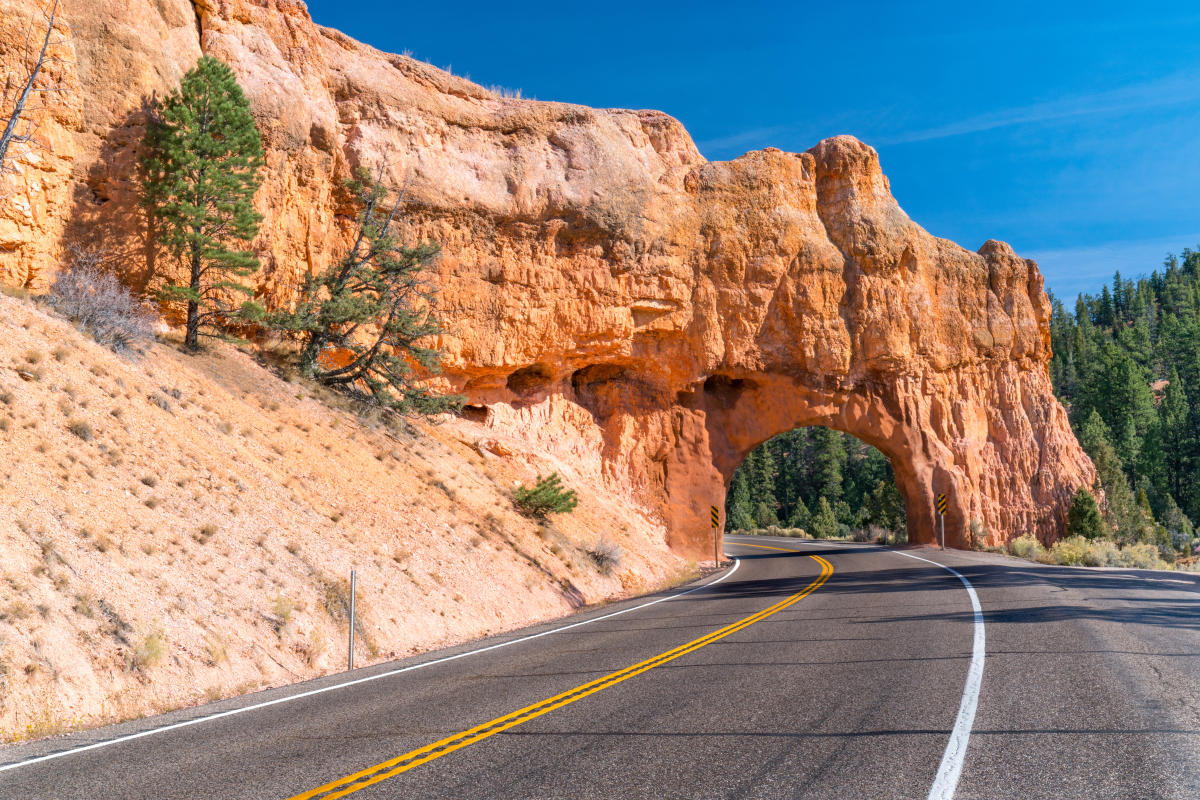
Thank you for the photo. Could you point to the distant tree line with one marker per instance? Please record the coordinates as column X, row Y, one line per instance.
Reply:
column 1126, row 365
column 821, row 480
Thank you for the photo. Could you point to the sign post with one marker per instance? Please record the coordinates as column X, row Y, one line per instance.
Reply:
column 941, row 510
column 350, row 658
column 716, row 524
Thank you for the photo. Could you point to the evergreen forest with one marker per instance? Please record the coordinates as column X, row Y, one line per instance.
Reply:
column 820, row 480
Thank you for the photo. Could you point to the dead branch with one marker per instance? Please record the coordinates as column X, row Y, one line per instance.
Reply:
column 11, row 133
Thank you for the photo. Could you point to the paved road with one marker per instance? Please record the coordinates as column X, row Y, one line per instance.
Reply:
column 835, row 671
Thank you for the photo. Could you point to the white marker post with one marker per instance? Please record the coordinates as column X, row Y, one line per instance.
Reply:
column 351, row 657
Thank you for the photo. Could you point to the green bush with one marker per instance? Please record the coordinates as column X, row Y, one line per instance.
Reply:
column 1102, row 553
column 1141, row 556
column 1069, row 551
column 1026, row 546
column 547, row 496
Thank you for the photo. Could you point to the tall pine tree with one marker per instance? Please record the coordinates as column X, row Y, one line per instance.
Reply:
column 201, row 170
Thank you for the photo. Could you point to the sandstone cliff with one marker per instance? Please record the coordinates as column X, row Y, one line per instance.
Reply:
column 613, row 297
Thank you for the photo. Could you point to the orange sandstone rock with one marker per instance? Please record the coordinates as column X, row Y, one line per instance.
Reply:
column 612, row 297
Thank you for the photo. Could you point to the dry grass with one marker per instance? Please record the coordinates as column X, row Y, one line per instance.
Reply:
column 149, row 652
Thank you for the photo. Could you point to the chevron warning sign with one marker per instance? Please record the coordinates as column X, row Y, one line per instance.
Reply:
column 941, row 504
column 716, row 516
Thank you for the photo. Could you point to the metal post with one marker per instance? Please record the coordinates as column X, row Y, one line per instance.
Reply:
column 351, row 658
column 942, row 518
column 716, row 560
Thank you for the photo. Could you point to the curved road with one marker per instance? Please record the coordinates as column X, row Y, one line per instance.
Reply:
column 811, row 670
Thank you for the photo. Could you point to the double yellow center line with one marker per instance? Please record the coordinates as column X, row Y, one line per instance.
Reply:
column 423, row 755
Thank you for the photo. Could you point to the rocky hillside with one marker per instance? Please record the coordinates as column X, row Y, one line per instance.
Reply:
column 179, row 528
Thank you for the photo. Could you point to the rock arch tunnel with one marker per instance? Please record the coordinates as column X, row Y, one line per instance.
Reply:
column 611, row 295
column 765, row 294
column 606, row 289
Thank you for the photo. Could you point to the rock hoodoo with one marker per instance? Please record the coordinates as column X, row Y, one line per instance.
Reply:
column 612, row 296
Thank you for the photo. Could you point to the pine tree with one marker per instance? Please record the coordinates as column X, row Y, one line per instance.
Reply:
column 829, row 463
column 201, row 171
column 1120, row 509
column 737, row 503
column 764, row 515
column 364, row 321
column 824, row 521
column 1083, row 518
column 1176, row 437
column 1104, row 309
column 800, row 516
column 1178, row 526
column 546, row 496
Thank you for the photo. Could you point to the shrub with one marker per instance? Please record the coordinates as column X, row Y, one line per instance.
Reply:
column 81, row 429
column 149, row 652
column 1102, row 553
column 1141, row 556
column 1069, row 551
column 605, row 555
column 98, row 303
column 547, row 496
column 1026, row 546
column 283, row 609
column 978, row 535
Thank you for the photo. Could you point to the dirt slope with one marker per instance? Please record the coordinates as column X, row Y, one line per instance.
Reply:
column 177, row 528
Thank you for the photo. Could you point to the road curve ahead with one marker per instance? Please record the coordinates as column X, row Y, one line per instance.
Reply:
column 811, row 670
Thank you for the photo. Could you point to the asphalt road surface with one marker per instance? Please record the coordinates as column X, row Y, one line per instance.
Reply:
column 813, row 670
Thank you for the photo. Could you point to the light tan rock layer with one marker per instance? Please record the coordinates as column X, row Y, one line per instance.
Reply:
column 602, row 281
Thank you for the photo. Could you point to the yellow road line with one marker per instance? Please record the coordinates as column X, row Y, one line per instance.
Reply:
column 423, row 755
column 768, row 547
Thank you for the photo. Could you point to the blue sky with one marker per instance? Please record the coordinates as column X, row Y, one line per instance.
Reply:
column 1069, row 129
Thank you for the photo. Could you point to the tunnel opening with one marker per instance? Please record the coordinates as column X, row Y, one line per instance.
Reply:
column 820, row 483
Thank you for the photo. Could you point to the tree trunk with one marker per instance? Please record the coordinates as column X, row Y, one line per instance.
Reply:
column 192, row 338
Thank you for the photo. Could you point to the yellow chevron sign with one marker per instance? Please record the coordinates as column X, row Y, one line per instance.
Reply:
column 716, row 516
column 941, row 504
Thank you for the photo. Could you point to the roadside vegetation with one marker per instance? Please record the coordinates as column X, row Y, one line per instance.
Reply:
column 1078, row 551
column 201, row 169
column 1127, row 367
column 546, row 496
column 362, row 323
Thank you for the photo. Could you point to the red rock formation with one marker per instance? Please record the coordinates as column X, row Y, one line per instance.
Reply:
column 612, row 295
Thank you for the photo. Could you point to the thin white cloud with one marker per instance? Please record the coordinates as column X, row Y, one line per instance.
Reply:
column 1169, row 91
column 1071, row 270
column 739, row 140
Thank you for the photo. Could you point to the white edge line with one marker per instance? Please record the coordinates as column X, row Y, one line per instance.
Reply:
column 737, row 562
column 955, row 754
column 950, row 769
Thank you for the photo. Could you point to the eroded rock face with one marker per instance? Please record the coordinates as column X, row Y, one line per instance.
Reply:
column 611, row 295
